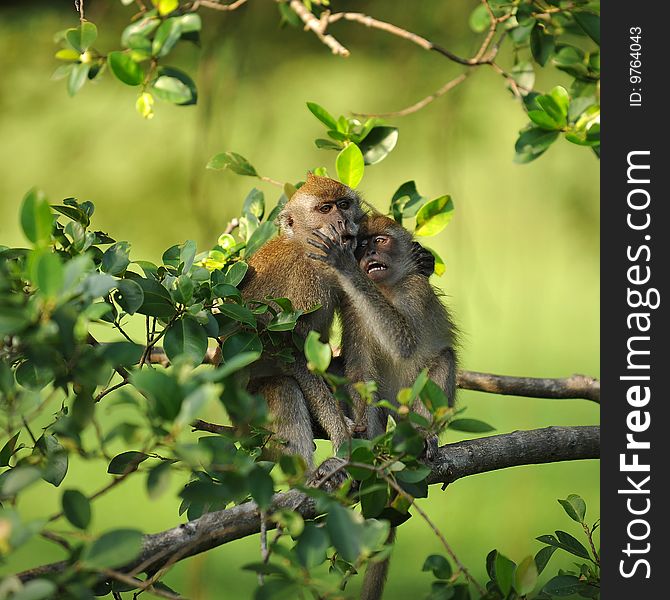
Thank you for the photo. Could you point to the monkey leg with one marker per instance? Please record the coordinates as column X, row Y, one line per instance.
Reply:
column 291, row 418
column 322, row 405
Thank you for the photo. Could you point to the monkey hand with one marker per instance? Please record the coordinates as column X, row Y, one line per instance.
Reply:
column 338, row 249
column 423, row 259
column 329, row 475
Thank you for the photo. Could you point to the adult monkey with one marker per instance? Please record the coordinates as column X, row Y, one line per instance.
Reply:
column 394, row 326
column 281, row 268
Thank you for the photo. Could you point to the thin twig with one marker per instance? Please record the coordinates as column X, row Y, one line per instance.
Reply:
column 450, row 85
column 436, row 531
column 315, row 25
column 217, row 5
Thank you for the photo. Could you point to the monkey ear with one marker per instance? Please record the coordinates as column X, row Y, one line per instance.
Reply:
column 285, row 223
column 423, row 259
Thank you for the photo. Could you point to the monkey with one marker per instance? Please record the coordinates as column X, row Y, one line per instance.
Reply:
column 394, row 325
column 281, row 268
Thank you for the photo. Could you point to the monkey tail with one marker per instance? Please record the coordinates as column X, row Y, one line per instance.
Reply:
column 376, row 574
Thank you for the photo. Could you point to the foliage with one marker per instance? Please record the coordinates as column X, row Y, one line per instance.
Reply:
column 511, row 581
column 564, row 34
column 75, row 283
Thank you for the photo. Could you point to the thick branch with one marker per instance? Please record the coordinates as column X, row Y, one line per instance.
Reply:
column 454, row 461
column 576, row 386
column 573, row 387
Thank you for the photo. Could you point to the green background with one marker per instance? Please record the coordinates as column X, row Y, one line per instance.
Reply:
column 521, row 252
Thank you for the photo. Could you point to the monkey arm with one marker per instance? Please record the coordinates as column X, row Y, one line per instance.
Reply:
column 392, row 330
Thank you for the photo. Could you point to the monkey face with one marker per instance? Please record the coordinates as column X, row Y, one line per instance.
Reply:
column 377, row 258
column 320, row 204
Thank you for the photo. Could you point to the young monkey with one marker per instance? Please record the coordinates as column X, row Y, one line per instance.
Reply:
column 394, row 324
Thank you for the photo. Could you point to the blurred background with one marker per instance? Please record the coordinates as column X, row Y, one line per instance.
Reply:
column 522, row 251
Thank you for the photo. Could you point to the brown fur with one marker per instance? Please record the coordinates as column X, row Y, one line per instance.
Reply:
column 282, row 269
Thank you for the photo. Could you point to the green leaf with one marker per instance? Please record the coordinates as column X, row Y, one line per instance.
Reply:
column 82, row 37
column 312, row 546
column 543, row 556
column 318, row 354
column 116, row 259
column 479, row 20
column 182, row 289
column 233, row 161
column 158, row 480
column 171, row 89
column 589, row 23
column 125, row 354
column 378, row 144
column 183, row 79
column 162, row 390
column 525, row 576
column 561, row 98
column 434, row 216
column 346, row 529
column 77, row 77
column 238, row 313
column 141, row 28
column 263, row 233
column 439, row 565
column 562, row 585
column 524, row 75
column 553, row 109
column 186, row 337
column 56, row 462
column 37, row 589
column 350, row 166
column 19, row 478
column 46, row 272
column 129, row 295
column 126, row 462
column 572, row 544
column 114, row 549
column 374, row 496
column 235, row 273
column 504, row 568
column 470, row 425
column 254, row 204
column 261, row 487
column 77, row 508
column 532, row 143
column 8, row 450
column 167, row 35
column 157, row 300
column 575, row 507
column 36, row 217
column 543, row 120
column 88, row 33
column 241, row 343
column 322, row 114
column 541, row 44
column 125, row 69
column 406, row 201
column 326, row 145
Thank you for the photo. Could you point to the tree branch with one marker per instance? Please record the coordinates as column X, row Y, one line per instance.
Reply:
column 561, row 388
column 576, row 386
column 454, row 461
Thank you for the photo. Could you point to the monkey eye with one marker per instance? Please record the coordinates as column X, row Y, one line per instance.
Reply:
column 344, row 204
column 363, row 243
column 325, row 208
column 381, row 240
